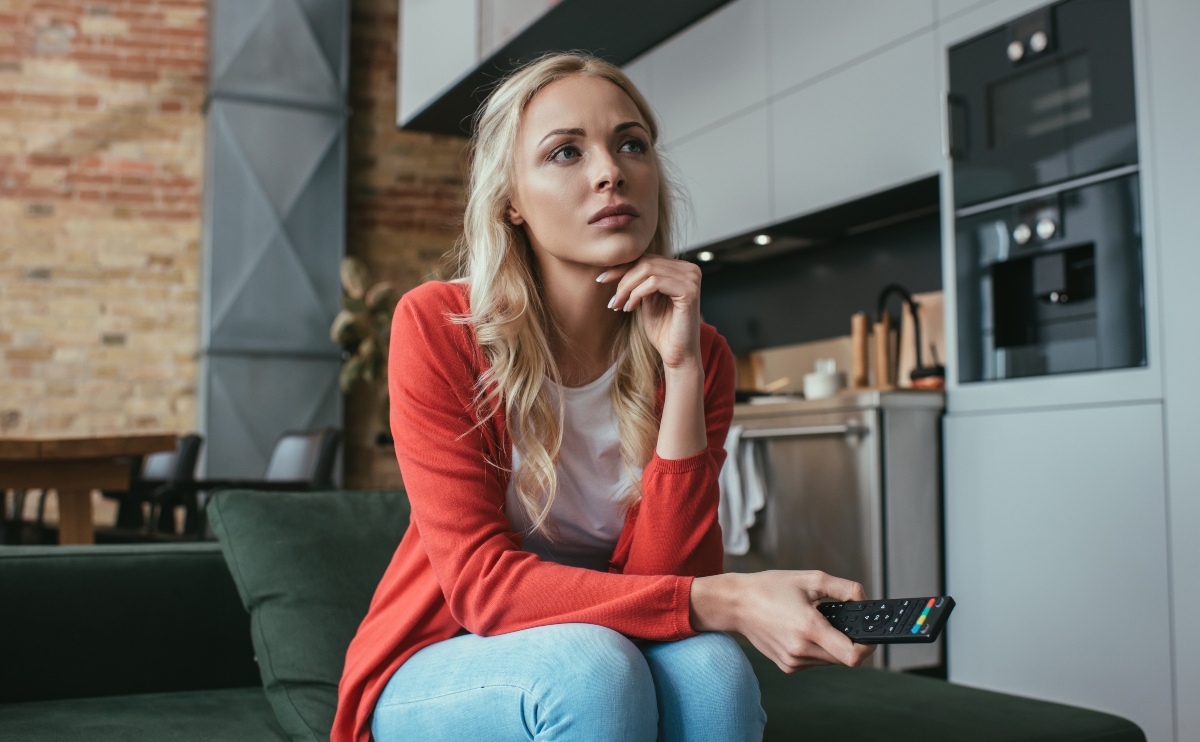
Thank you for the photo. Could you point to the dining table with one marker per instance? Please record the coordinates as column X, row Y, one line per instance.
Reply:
column 74, row 467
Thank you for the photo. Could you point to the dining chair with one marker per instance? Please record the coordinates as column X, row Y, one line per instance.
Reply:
column 152, row 483
column 301, row 460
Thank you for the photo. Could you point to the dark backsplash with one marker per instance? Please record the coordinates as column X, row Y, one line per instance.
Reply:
column 809, row 294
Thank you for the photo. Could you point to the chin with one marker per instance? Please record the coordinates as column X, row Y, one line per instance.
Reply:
column 619, row 249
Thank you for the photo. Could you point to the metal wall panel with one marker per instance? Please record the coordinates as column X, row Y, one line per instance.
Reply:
column 274, row 226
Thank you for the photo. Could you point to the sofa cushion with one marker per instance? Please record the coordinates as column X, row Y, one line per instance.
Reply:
column 140, row 618
column 828, row 702
column 306, row 565
column 235, row 715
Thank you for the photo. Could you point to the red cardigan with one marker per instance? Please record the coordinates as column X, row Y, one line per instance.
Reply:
column 460, row 566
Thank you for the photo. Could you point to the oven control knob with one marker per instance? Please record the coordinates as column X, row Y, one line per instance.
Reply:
column 1038, row 42
column 1015, row 51
column 1046, row 228
column 1022, row 233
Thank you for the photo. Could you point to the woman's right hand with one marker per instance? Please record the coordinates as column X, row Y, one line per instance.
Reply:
column 776, row 611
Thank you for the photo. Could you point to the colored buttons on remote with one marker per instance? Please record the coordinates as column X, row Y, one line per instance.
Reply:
column 887, row 621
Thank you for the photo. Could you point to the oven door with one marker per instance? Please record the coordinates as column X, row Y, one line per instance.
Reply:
column 1046, row 116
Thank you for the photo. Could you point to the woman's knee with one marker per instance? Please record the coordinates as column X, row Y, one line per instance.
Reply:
column 706, row 682
column 596, row 679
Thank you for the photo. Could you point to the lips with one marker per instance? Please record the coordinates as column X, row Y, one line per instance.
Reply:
column 616, row 215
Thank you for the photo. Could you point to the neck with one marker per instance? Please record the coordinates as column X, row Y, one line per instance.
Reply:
column 587, row 328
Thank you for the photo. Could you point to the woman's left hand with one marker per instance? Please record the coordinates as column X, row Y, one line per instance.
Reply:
column 668, row 291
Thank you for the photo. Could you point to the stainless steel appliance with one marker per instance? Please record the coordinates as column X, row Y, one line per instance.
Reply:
column 1046, row 193
column 853, row 488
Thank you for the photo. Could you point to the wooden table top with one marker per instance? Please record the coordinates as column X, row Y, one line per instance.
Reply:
column 92, row 447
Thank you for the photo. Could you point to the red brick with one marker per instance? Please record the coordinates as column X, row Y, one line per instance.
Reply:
column 124, row 73
column 49, row 160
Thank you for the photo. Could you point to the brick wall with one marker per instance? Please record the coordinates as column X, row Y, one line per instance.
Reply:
column 101, row 139
column 101, row 167
column 404, row 208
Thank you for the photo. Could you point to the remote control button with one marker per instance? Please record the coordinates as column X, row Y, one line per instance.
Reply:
column 854, row 633
column 858, row 606
column 872, row 627
column 891, row 629
column 884, row 608
column 905, row 603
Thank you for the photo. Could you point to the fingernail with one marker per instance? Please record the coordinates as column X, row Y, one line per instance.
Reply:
column 626, row 307
column 600, row 277
column 611, row 301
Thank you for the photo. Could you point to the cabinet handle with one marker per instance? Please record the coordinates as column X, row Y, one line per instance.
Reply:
column 959, row 130
column 807, row 432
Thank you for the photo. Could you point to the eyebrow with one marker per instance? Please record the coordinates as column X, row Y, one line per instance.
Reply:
column 580, row 132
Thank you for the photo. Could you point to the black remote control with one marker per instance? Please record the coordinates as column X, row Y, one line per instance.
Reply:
column 901, row 621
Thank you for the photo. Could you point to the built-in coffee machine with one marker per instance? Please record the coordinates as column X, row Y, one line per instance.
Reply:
column 1043, row 136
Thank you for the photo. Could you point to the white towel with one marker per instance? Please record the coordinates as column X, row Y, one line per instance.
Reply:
column 742, row 491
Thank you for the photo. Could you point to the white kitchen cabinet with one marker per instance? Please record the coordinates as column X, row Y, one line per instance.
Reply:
column 1170, row 161
column 950, row 8
column 1056, row 555
column 439, row 43
column 865, row 129
column 714, row 69
column 724, row 171
column 811, row 37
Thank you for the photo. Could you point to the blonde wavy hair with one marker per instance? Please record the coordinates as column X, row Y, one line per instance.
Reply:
column 510, row 319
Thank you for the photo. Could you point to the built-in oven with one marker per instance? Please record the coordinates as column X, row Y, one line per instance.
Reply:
column 1046, row 190
column 1046, row 98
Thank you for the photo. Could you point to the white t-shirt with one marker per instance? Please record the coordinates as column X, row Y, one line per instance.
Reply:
column 591, row 481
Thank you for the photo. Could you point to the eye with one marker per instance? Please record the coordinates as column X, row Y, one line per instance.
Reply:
column 565, row 153
column 633, row 145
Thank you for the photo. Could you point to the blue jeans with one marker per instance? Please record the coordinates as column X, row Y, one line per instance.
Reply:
column 573, row 681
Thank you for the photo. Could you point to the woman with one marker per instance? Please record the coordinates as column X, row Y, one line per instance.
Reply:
column 559, row 412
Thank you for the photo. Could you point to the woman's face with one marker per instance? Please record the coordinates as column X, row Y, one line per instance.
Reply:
column 585, row 181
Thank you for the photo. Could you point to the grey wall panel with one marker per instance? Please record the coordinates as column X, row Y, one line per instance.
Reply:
column 285, row 50
column 274, row 274
column 274, row 226
column 252, row 400
column 1056, row 521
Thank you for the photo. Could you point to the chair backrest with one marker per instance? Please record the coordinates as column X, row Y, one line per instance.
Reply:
column 173, row 466
column 159, row 467
column 305, row 455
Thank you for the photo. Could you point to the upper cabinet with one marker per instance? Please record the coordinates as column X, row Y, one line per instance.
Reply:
column 800, row 103
column 439, row 43
column 809, row 38
column 714, row 69
column 725, row 172
column 871, row 126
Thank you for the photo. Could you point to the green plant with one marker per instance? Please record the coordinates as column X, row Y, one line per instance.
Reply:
column 362, row 328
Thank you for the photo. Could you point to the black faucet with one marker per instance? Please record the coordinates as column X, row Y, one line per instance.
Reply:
column 920, row 370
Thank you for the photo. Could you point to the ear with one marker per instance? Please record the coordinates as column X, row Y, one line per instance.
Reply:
column 514, row 216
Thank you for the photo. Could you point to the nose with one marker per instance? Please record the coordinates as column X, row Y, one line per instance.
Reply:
column 606, row 172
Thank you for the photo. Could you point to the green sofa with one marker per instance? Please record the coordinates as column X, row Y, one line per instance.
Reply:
column 154, row 642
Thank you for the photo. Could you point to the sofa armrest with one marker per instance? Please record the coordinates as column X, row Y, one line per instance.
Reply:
column 79, row 621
